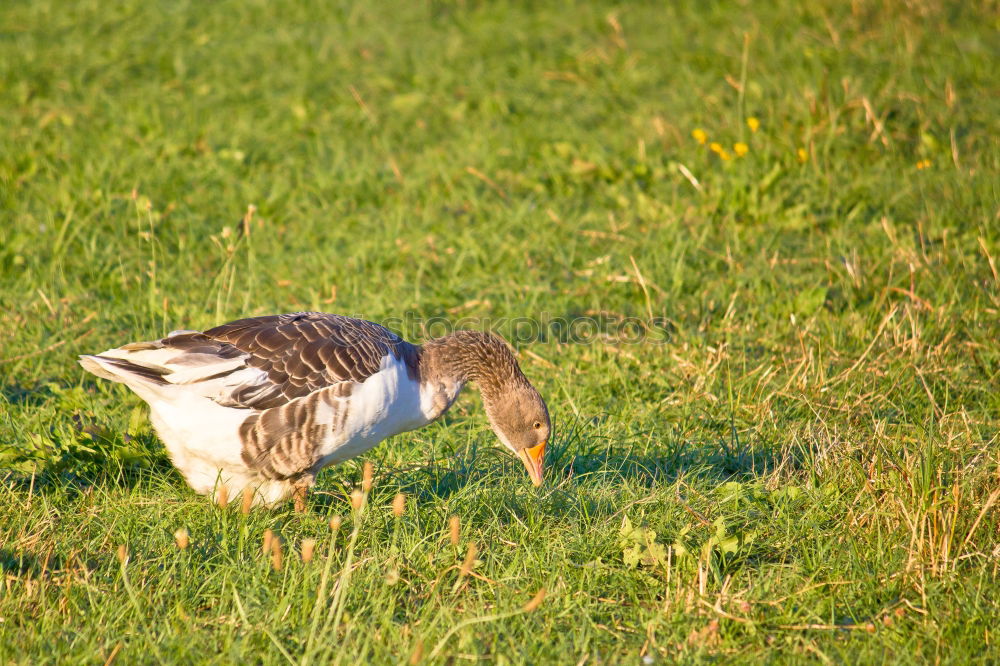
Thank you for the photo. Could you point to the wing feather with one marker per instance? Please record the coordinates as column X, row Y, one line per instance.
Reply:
column 303, row 352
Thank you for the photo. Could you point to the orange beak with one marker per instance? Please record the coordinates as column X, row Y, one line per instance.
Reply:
column 533, row 459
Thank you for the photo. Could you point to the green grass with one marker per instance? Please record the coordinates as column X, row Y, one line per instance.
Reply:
column 800, row 462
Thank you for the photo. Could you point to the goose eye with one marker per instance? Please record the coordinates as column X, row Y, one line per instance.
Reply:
column 536, row 425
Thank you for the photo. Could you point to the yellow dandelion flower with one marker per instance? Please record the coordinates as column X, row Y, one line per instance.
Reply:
column 740, row 149
column 802, row 155
column 717, row 148
column 924, row 164
column 753, row 124
column 699, row 135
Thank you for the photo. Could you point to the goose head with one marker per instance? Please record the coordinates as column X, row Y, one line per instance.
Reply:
column 520, row 419
column 516, row 411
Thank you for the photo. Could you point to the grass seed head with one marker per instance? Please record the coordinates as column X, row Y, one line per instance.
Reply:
column 418, row 653
column 535, row 601
column 335, row 523
column 308, row 546
column 470, row 560
column 398, row 504
column 181, row 538
column 357, row 500
column 366, row 476
column 222, row 497
column 247, row 501
column 123, row 554
column 454, row 527
column 268, row 538
column 276, row 554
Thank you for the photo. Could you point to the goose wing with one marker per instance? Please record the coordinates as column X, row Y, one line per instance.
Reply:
column 292, row 355
column 300, row 371
column 257, row 363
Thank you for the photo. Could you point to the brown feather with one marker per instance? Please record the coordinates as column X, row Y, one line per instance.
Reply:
column 306, row 351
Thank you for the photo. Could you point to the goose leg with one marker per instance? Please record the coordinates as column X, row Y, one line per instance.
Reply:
column 300, row 497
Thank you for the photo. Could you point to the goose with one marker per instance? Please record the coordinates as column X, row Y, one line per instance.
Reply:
column 261, row 405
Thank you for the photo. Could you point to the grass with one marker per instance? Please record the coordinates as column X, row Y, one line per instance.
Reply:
column 797, row 462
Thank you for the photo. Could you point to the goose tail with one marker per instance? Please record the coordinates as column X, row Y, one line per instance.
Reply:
column 122, row 370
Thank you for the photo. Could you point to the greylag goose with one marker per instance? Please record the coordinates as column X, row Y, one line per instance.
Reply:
column 265, row 403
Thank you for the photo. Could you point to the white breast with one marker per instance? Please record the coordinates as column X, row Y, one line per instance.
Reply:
column 385, row 404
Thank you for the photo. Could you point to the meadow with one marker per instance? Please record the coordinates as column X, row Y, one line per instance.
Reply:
column 774, row 226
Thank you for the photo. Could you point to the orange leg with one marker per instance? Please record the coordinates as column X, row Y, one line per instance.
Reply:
column 300, row 497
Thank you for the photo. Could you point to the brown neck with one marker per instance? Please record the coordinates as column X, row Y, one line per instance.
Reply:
column 475, row 356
